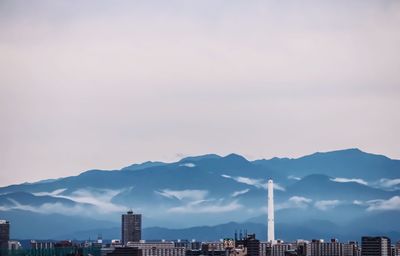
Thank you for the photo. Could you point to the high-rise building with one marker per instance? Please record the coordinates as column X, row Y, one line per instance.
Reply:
column 397, row 249
column 265, row 248
column 351, row 249
column 280, row 249
column 4, row 236
column 301, row 247
column 271, row 221
column 131, row 227
column 320, row 248
column 375, row 246
column 251, row 243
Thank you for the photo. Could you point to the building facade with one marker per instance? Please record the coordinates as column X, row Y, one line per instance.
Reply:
column 125, row 251
column 321, row 248
column 158, row 248
column 251, row 244
column 352, row 249
column 265, row 248
column 280, row 249
column 14, row 246
column 4, row 236
column 375, row 246
column 131, row 227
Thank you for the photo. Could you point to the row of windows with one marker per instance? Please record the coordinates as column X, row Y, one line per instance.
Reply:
column 163, row 252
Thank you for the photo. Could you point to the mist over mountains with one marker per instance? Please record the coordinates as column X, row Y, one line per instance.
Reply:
column 344, row 194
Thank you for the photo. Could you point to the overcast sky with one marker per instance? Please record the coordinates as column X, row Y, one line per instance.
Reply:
column 103, row 84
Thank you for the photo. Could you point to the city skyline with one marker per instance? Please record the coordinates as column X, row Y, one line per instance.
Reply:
column 132, row 244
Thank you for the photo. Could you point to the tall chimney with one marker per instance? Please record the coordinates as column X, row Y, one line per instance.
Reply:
column 271, row 221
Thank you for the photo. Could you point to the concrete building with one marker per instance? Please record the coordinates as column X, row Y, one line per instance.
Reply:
column 125, row 251
column 208, row 253
column 4, row 236
column 352, row 249
column 14, row 246
column 158, row 248
column 250, row 243
column 301, row 247
column 195, row 245
column 131, row 227
column 397, row 249
column 280, row 249
column 375, row 246
column 321, row 248
column 41, row 245
column 226, row 248
column 212, row 246
column 265, row 248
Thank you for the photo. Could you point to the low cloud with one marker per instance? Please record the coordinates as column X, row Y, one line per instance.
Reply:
column 342, row 180
column 187, row 194
column 388, row 183
column 324, row 205
column 190, row 165
column 294, row 202
column 207, row 206
column 258, row 183
column 292, row 177
column 279, row 187
column 47, row 208
column 358, row 202
column 241, row 192
column 100, row 199
column 53, row 193
column 384, row 205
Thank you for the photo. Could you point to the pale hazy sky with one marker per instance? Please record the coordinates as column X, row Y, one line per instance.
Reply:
column 103, row 84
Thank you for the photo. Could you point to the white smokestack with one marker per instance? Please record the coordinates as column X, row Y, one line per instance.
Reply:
column 271, row 221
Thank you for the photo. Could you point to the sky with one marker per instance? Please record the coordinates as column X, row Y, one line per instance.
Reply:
column 101, row 84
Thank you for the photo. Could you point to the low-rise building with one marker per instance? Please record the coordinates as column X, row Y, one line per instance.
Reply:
column 158, row 248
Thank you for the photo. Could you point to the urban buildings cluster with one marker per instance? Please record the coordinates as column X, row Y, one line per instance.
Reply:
column 132, row 244
column 6, row 244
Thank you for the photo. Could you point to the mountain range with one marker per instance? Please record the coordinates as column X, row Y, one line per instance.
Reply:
column 343, row 194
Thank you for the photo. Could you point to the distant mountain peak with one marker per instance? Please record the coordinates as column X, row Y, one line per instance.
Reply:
column 235, row 156
column 348, row 151
column 144, row 165
column 354, row 150
column 337, row 152
column 355, row 153
column 200, row 157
